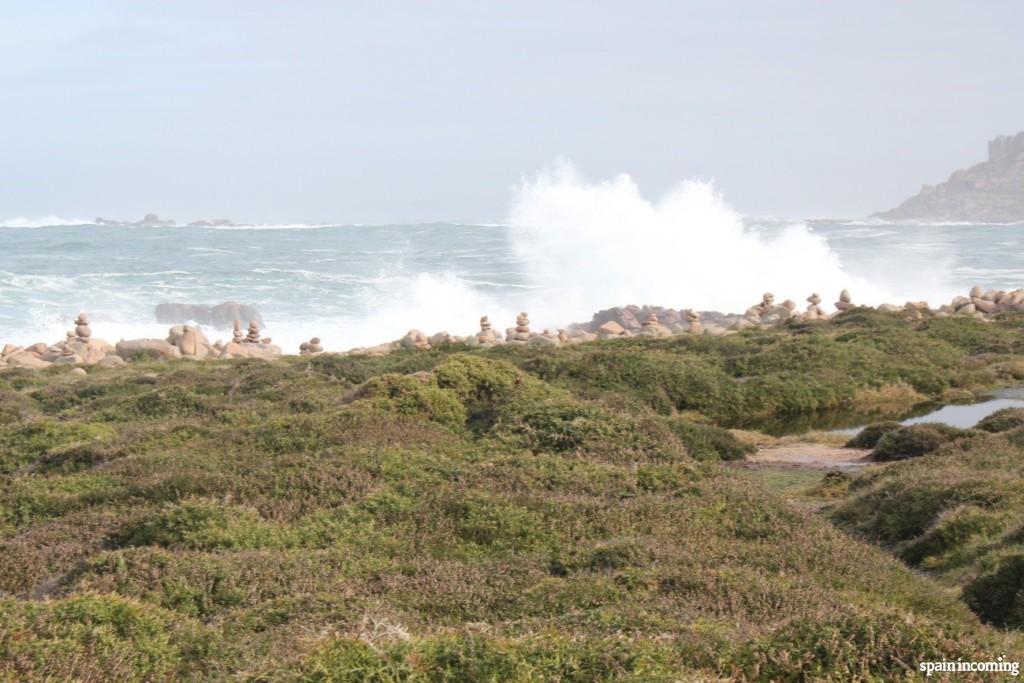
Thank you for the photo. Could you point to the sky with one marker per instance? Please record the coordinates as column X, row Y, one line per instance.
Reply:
column 386, row 111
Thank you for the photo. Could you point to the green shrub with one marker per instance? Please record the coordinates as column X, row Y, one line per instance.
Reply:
column 1002, row 420
column 165, row 402
column 198, row 524
column 480, row 383
column 21, row 444
column 709, row 443
column 560, row 426
column 872, row 434
column 913, row 441
column 15, row 407
column 485, row 521
column 618, row 555
column 412, row 396
column 95, row 638
column 349, row 660
column 949, row 536
column 483, row 658
column 851, row 646
column 997, row 596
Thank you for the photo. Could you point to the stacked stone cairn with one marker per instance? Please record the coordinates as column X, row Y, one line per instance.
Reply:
column 311, row 347
column 253, row 336
column 520, row 334
column 251, row 345
column 80, row 348
column 82, row 329
column 653, row 328
column 845, row 302
column 487, row 336
column 757, row 312
column 693, row 323
column 814, row 310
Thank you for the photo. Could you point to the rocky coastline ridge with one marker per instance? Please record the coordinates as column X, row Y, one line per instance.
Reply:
column 188, row 341
column 989, row 192
column 151, row 220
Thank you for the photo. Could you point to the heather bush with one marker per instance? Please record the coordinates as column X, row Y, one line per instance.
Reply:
column 514, row 513
column 1002, row 420
column 913, row 441
column 872, row 434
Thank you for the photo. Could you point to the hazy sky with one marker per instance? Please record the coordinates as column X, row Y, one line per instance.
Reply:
column 398, row 111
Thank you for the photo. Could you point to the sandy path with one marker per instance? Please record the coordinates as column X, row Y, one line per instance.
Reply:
column 811, row 455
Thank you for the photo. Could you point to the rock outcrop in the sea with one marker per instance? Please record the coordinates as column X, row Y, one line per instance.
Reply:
column 150, row 220
column 989, row 192
column 213, row 223
column 221, row 316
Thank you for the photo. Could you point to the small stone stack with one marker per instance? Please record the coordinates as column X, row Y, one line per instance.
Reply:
column 652, row 327
column 189, row 343
column 845, row 302
column 237, row 336
column 311, row 347
column 521, row 332
column 693, row 323
column 253, row 337
column 414, row 339
column 82, row 329
column 487, row 336
column 814, row 309
column 755, row 313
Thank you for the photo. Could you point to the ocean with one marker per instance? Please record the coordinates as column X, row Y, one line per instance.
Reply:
column 567, row 249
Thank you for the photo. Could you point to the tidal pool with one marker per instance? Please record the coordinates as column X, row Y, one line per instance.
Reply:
column 960, row 415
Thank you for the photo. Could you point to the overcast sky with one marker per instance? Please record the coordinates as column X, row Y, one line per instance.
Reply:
column 413, row 111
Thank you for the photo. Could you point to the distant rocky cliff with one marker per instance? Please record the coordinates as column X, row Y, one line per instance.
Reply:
column 989, row 192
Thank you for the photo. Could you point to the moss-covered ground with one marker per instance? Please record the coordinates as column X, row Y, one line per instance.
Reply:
column 514, row 514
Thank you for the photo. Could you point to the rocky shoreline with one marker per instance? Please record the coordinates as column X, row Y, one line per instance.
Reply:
column 80, row 348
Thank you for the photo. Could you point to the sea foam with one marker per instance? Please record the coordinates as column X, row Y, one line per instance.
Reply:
column 589, row 245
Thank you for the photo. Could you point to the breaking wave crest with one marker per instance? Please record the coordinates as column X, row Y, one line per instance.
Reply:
column 590, row 245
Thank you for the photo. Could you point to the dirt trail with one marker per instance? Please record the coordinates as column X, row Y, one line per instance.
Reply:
column 811, row 455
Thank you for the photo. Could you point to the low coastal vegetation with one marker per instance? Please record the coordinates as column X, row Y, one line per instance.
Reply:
column 503, row 514
column 956, row 512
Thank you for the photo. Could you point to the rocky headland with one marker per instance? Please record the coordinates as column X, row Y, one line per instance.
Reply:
column 989, row 192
